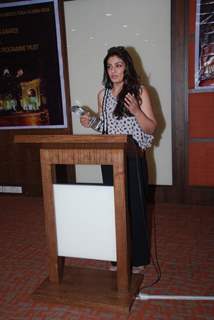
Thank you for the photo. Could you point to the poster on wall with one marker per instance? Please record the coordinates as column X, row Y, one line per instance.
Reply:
column 204, row 44
column 32, row 89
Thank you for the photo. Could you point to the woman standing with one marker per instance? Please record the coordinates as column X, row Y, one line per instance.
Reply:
column 125, row 108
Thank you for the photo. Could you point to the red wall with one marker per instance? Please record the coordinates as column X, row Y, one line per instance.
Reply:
column 201, row 120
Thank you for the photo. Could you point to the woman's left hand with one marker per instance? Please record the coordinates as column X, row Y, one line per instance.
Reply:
column 131, row 104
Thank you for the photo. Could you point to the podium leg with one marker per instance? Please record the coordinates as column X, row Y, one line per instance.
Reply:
column 121, row 217
column 55, row 263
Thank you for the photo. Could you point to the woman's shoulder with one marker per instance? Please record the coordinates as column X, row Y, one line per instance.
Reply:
column 143, row 91
column 100, row 97
column 101, row 92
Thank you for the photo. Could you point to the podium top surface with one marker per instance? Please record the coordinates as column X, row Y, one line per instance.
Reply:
column 74, row 139
column 88, row 141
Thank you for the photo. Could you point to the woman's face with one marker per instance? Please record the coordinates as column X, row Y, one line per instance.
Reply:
column 115, row 69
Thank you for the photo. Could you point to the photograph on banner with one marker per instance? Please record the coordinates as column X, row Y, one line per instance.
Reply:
column 31, row 71
column 204, row 44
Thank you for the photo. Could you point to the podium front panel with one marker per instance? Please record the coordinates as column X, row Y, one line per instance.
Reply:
column 85, row 221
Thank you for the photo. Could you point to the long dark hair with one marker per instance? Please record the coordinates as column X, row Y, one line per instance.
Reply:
column 131, row 80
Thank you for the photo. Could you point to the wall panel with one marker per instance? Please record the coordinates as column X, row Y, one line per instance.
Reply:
column 201, row 164
column 200, row 119
column 123, row 22
column 201, row 115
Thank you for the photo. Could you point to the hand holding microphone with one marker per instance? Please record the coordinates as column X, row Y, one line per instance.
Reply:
column 88, row 118
column 85, row 120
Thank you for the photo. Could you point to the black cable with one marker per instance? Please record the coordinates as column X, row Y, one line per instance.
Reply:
column 155, row 263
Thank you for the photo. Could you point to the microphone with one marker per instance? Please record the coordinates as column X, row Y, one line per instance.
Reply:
column 79, row 110
column 94, row 120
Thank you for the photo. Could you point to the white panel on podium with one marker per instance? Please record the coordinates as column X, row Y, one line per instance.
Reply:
column 85, row 221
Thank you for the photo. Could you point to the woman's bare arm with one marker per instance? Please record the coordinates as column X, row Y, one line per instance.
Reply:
column 143, row 113
column 100, row 97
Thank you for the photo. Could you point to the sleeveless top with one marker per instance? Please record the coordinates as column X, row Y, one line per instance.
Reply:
column 125, row 125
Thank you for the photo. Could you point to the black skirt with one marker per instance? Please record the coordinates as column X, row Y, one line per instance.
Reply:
column 137, row 184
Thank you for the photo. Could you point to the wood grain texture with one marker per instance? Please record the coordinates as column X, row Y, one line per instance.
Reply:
column 74, row 139
column 71, row 150
column 84, row 287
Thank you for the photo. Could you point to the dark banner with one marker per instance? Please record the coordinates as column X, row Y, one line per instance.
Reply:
column 204, row 58
column 31, row 73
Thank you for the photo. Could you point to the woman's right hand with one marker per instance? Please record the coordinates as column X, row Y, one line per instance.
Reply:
column 85, row 119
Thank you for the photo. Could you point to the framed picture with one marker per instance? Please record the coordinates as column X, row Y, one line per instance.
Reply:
column 204, row 44
column 32, row 72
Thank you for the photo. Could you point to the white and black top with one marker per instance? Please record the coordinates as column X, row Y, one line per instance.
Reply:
column 125, row 125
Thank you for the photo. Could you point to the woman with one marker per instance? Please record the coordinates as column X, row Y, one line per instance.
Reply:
column 125, row 108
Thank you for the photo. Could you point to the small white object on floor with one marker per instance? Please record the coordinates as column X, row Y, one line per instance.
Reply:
column 135, row 270
column 139, row 269
column 113, row 268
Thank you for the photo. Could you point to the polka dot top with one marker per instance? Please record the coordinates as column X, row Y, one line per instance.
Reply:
column 125, row 125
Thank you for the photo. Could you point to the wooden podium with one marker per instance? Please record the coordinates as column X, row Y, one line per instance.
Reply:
column 86, row 286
